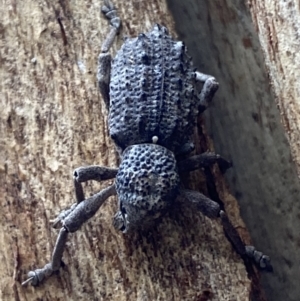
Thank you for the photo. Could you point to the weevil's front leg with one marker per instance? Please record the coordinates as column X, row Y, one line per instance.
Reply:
column 210, row 86
column 203, row 160
column 82, row 212
column 212, row 209
column 80, row 175
column 104, row 60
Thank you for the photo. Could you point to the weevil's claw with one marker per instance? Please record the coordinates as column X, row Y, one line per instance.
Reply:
column 30, row 279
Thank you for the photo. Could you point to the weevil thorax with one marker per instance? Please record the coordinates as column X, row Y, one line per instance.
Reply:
column 152, row 92
column 147, row 183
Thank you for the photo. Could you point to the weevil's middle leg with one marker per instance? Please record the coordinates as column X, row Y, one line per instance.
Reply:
column 104, row 59
column 210, row 86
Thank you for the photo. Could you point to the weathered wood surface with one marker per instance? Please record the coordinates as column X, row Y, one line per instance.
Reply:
column 52, row 121
column 252, row 47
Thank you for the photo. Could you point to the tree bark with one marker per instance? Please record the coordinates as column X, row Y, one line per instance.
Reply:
column 252, row 47
column 53, row 120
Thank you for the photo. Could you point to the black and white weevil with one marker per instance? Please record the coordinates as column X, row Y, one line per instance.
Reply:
column 149, row 91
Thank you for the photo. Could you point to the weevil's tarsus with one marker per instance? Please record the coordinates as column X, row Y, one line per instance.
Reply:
column 39, row 275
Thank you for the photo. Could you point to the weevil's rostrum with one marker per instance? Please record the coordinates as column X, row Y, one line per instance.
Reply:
column 150, row 92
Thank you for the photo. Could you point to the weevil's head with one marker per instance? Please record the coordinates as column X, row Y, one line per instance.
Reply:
column 147, row 183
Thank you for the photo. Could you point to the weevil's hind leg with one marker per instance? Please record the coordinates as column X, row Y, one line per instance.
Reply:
column 210, row 86
column 81, row 213
column 104, row 59
column 203, row 160
column 80, row 175
column 261, row 260
column 212, row 209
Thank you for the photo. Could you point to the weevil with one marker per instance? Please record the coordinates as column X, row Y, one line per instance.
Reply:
column 149, row 89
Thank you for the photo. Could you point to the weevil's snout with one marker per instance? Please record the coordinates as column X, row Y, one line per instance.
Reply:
column 147, row 183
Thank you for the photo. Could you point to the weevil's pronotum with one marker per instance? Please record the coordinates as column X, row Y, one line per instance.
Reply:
column 150, row 92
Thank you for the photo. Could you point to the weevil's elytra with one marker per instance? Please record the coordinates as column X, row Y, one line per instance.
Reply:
column 152, row 92
column 149, row 90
